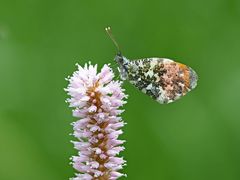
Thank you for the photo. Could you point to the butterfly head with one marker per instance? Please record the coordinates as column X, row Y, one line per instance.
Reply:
column 123, row 65
column 120, row 59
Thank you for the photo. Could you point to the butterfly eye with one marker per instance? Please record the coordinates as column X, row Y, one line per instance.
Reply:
column 119, row 59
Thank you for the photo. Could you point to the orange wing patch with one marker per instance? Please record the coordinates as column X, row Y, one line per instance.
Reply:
column 186, row 74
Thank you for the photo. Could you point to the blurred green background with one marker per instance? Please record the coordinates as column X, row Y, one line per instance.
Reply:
column 195, row 138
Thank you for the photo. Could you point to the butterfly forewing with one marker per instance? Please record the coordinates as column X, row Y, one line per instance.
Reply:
column 163, row 79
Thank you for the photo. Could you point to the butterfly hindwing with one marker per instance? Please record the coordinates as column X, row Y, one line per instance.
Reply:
column 163, row 79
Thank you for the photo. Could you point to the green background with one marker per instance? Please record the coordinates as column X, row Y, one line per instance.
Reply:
column 195, row 138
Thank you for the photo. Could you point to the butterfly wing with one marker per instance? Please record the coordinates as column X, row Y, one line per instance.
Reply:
column 163, row 79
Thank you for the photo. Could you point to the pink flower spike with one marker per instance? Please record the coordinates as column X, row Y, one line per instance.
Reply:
column 96, row 100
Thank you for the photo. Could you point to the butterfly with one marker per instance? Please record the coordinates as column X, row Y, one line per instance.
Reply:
column 162, row 79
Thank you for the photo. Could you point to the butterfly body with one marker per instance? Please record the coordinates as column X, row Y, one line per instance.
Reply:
column 162, row 79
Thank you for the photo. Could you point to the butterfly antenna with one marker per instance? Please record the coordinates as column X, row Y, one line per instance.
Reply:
column 109, row 32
